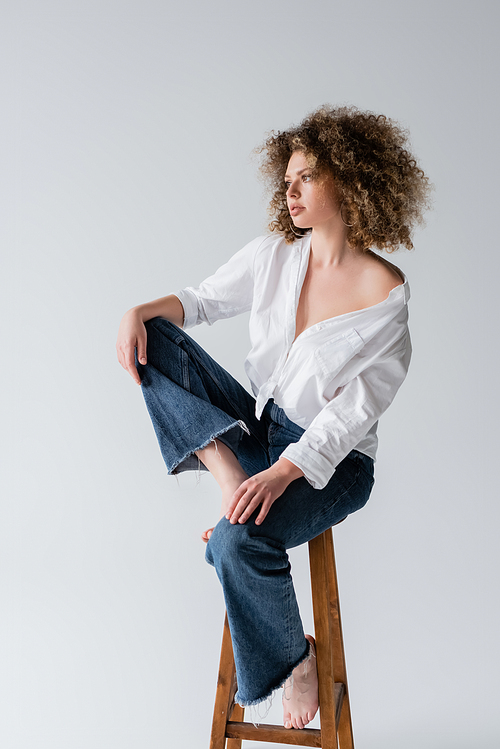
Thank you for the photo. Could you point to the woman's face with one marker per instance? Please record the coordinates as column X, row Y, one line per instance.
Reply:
column 311, row 202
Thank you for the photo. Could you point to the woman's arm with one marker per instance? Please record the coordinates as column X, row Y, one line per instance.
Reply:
column 346, row 419
column 226, row 293
column 132, row 332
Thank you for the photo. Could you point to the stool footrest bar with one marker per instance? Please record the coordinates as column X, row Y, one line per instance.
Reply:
column 280, row 734
column 276, row 734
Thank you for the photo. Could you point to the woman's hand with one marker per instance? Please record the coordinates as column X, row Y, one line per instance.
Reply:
column 262, row 489
column 131, row 335
column 132, row 332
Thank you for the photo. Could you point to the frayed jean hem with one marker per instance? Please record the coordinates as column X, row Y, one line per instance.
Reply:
column 191, row 462
column 281, row 683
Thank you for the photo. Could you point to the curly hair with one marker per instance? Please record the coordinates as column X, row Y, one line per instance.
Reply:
column 384, row 192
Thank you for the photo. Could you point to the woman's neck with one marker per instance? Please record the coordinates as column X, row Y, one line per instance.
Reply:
column 329, row 245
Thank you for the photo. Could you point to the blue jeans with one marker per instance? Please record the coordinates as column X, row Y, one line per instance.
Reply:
column 192, row 400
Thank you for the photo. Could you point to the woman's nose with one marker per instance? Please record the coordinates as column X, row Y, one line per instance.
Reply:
column 293, row 190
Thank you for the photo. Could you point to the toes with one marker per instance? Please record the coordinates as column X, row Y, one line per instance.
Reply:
column 311, row 639
column 287, row 718
column 206, row 535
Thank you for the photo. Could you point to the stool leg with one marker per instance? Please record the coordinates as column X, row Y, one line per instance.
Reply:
column 238, row 713
column 322, row 632
column 344, row 727
column 225, row 694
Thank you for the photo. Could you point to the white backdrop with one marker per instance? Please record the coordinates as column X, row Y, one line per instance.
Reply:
column 126, row 135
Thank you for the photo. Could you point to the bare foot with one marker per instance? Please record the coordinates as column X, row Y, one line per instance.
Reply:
column 206, row 535
column 300, row 693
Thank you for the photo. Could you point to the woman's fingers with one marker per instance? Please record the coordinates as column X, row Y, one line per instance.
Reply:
column 239, row 503
column 245, row 501
column 132, row 335
column 132, row 370
column 240, row 509
column 141, row 348
column 238, row 494
column 141, row 344
column 129, row 362
column 266, row 506
column 249, row 509
column 242, row 513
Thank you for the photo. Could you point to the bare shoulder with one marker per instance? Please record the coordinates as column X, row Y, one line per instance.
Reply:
column 379, row 277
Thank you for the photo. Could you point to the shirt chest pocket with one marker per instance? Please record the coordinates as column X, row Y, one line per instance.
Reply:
column 332, row 356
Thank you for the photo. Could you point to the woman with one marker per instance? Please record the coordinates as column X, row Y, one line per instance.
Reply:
column 330, row 348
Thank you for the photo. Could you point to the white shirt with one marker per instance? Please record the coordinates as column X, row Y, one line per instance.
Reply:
column 336, row 378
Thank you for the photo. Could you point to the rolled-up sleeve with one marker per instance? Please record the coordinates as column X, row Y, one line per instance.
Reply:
column 345, row 420
column 228, row 292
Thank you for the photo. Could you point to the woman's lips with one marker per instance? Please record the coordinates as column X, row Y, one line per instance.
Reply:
column 295, row 209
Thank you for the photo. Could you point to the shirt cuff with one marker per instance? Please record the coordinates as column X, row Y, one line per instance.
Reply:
column 317, row 470
column 190, row 305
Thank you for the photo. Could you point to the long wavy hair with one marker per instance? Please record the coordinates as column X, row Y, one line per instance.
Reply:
column 383, row 190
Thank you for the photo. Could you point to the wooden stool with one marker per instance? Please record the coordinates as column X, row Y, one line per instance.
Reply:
column 334, row 710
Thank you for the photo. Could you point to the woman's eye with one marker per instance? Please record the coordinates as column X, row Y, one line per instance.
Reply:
column 287, row 185
column 306, row 177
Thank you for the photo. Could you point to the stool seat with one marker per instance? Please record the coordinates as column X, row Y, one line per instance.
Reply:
column 228, row 726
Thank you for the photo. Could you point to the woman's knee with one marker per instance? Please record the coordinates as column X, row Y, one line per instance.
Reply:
column 243, row 546
column 165, row 348
column 226, row 542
